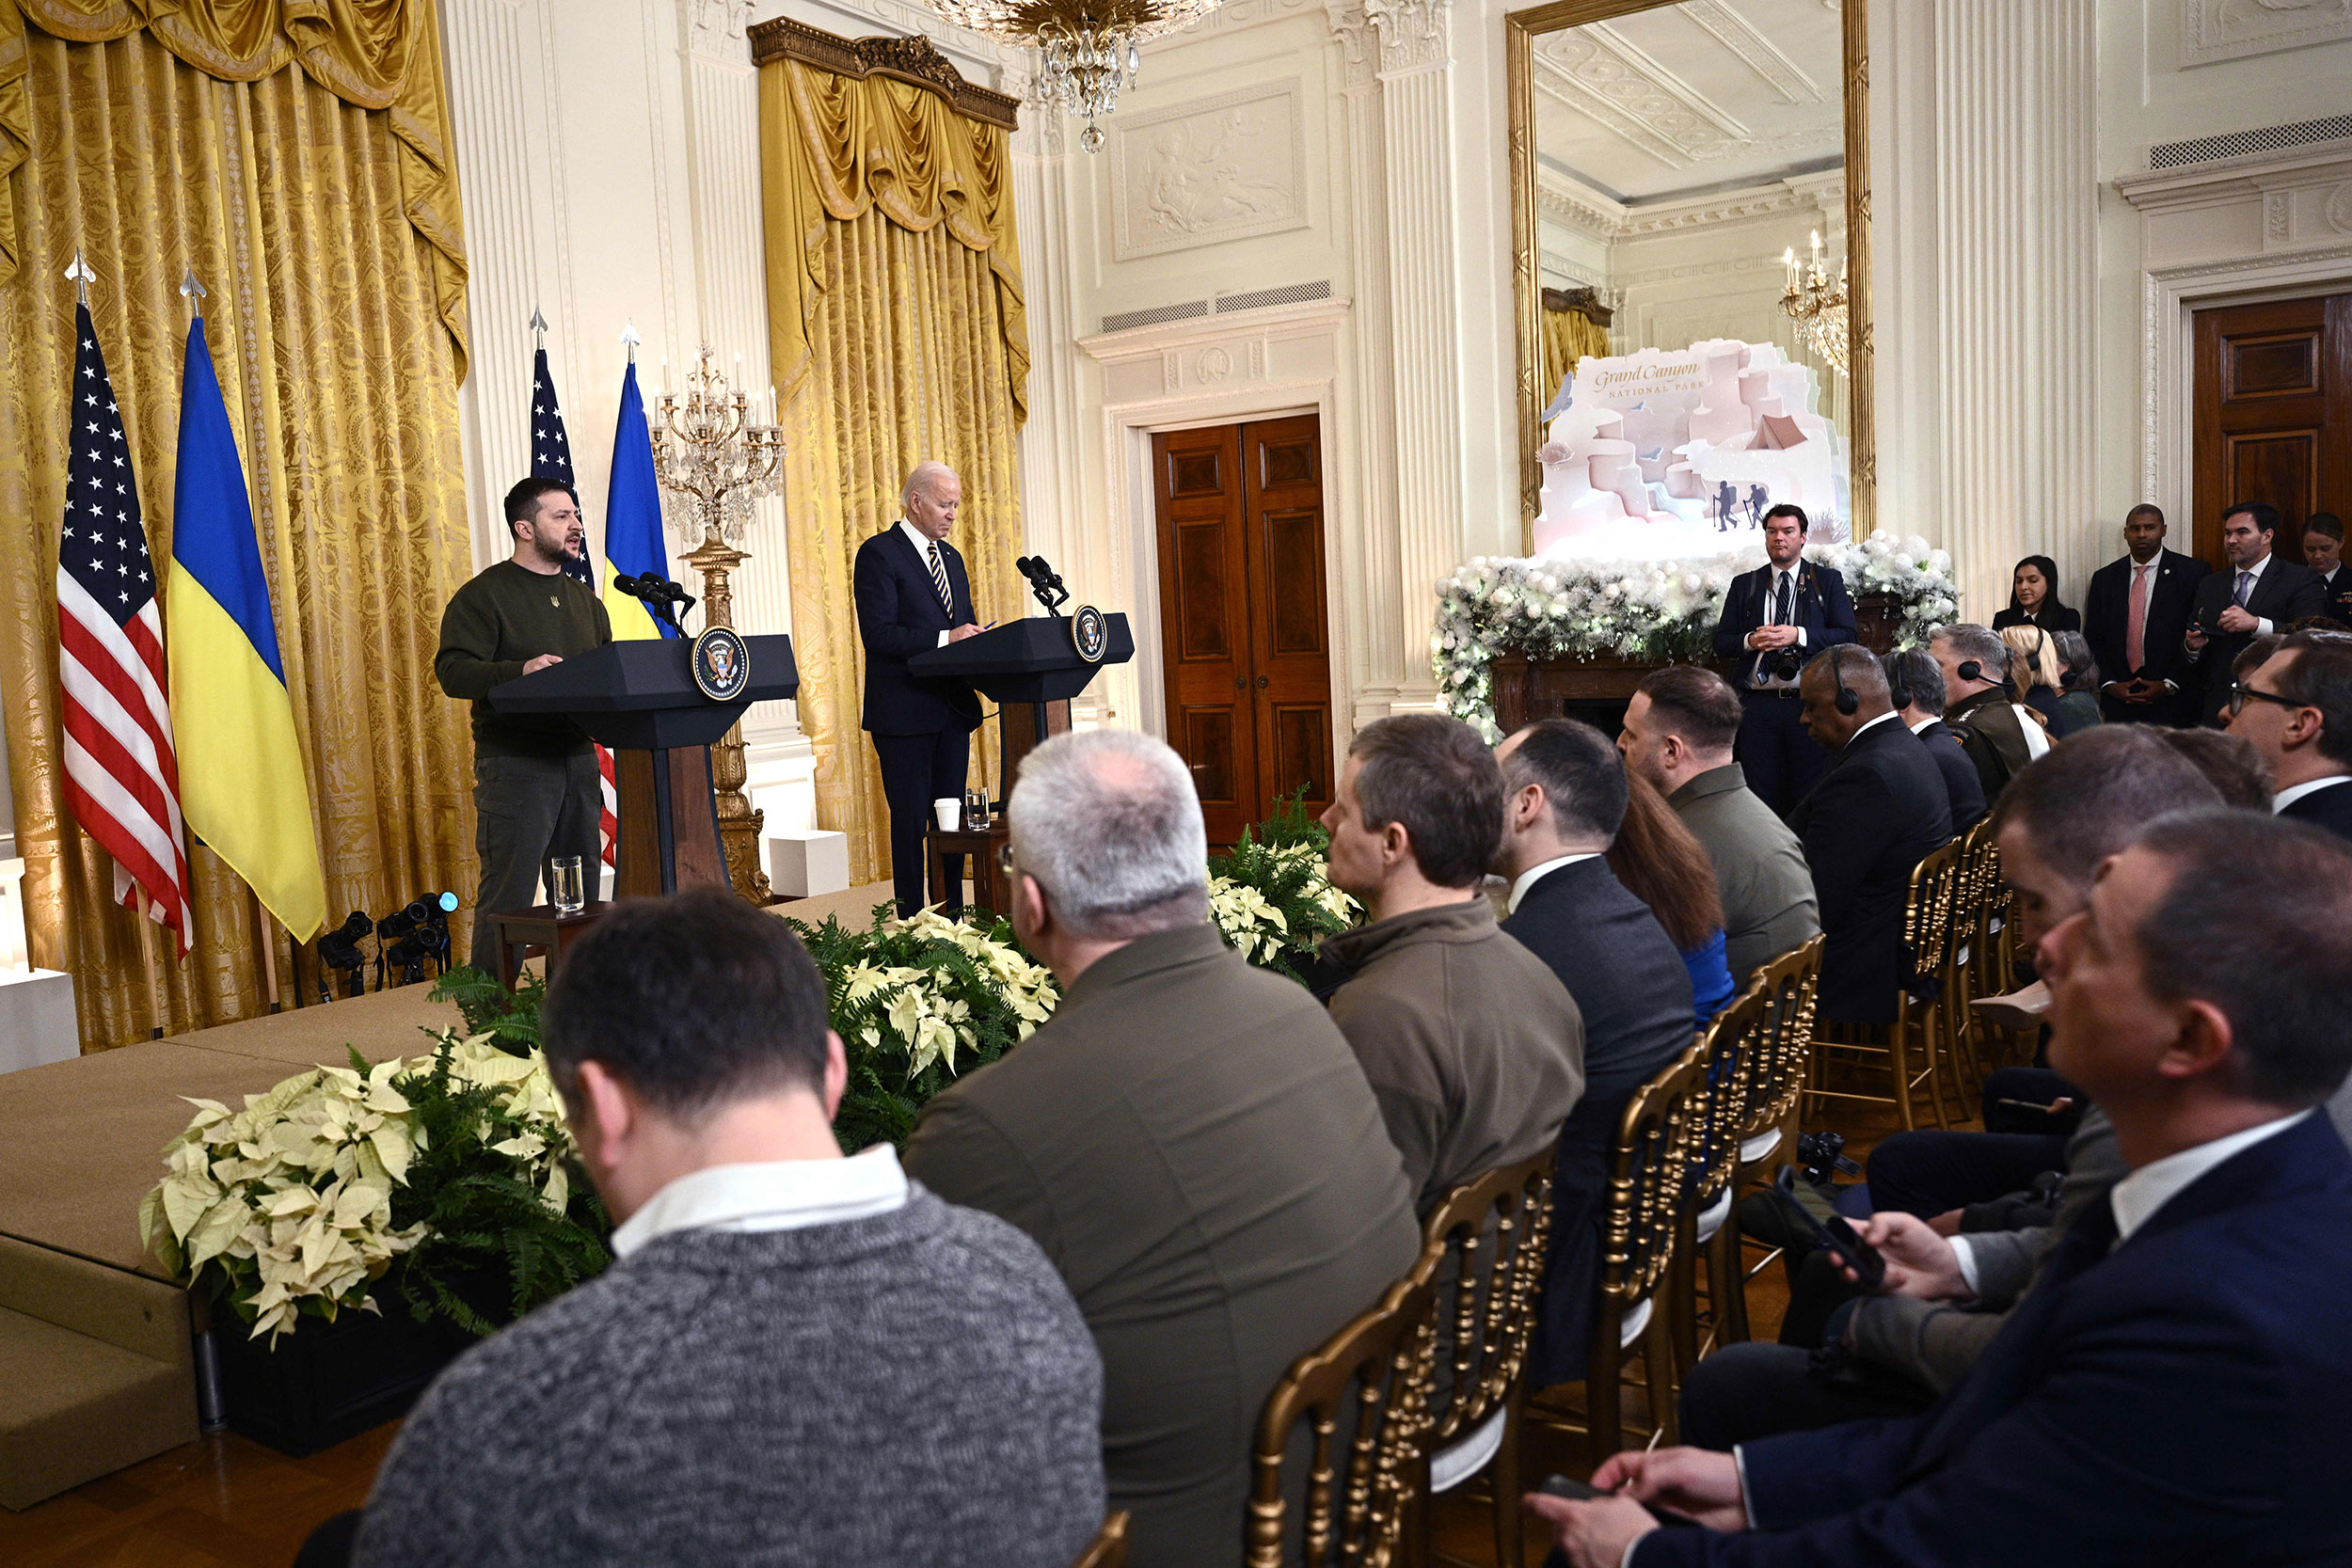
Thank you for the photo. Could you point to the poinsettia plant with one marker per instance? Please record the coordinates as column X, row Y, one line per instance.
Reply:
column 1271, row 896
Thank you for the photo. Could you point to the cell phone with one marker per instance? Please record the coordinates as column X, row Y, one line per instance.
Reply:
column 1583, row 1492
column 1841, row 1239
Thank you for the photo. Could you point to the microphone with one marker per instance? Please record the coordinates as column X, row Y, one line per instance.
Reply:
column 655, row 589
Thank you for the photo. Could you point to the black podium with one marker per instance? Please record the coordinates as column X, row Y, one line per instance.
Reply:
column 1030, row 669
column 640, row 700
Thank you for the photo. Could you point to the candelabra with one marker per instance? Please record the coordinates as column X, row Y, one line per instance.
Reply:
column 1817, row 306
column 716, row 462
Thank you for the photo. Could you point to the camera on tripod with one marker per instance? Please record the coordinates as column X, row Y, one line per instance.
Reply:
column 417, row 931
column 338, row 949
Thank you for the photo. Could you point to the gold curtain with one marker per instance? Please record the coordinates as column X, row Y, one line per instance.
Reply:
column 333, row 252
column 895, row 309
column 1568, row 336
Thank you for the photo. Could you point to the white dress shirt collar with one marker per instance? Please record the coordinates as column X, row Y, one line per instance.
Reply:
column 1535, row 874
column 2138, row 1196
column 1869, row 724
column 2293, row 793
column 784, row 1195
column 2254, row 572
column 921, row 541
column 1924, row 725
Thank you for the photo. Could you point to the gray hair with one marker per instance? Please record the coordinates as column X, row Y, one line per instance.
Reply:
column 920, row 477
column 1981, row 644
column 1913, row 674
column 1109, row 823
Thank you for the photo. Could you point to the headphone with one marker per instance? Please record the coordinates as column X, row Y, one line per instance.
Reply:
column 1970, row 670
column 1897, row 692
column 1847, row 699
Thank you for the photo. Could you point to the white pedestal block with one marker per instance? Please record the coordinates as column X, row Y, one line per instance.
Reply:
column 806, row 861
column 37, row 1020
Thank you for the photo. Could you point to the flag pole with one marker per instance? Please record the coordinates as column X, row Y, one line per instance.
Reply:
column 146, row 960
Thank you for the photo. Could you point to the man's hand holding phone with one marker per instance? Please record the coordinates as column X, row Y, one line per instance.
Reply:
column 1919, row 1261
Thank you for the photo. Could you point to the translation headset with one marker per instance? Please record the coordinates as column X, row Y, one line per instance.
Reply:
column 1970, row 670
column 1847, row 698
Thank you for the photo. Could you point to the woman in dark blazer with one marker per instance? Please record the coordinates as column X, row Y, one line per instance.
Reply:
column 2033, row 599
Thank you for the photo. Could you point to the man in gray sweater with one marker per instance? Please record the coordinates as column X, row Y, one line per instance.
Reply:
column 798, row 1359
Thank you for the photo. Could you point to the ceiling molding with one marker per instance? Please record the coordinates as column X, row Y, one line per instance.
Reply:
column 1597, row 71
column 1755, row 51
column 1564, row 200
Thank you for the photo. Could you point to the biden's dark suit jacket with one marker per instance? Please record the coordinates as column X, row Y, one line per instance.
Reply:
column 2106, row 616
column 1880, row 809
column 2184, row 1399
column 2285, row 592
column 898, row 616
column 1634, row 993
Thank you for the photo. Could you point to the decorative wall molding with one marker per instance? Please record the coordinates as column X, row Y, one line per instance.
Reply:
column 1573, row 205
column 1349, row 27
column 2232, row 29
column 910, row 58
column 1208, row 172
column 1413, row 34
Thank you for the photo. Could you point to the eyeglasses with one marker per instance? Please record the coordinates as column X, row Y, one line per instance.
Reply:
column 2240, row 692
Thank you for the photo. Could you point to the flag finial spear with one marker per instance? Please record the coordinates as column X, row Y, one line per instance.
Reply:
column 82, row 277
column 194, row 293
column 629, row 337
column 538, row 328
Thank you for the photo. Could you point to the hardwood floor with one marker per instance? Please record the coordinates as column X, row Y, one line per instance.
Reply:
column 231, row 1502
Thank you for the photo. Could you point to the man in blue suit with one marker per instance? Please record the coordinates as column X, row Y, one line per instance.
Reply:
column 914, row 595
column 1785, row 604
column 2176, row 1387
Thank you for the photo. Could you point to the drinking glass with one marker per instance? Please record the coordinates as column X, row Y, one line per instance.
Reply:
column 976, row 810
column 567, row 889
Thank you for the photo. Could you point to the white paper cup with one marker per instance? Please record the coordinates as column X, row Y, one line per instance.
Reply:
column 950, row 812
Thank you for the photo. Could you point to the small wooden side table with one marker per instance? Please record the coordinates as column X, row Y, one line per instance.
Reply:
column 990, row 891
column 540, row 926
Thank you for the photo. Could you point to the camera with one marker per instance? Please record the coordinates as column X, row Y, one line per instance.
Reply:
column 1822, row 1153
column 338, row 949
column 1783, row 664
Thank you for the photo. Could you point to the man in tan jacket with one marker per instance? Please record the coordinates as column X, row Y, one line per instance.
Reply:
column 1474, row 1048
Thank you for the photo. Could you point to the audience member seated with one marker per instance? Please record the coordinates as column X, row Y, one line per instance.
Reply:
column 2296, row 708
column 2323, row 552
column 1188, row 1138
column 2077, row 705
column 795, row 1357
column 1678, row 734
column 2033, row 599
column 2229, row 763
column 1471, row 1046
column 1880, row 809
column 2176, row 1386
column 2035, row 672
column 1981, row 706
column 1662, row 865
column 1914, row 684
column 1564, row 803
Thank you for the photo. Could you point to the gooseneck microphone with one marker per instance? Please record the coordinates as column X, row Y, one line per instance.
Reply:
column 655, row 589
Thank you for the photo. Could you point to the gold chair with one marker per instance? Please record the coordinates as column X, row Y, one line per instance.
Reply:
column 1780, row 1064
column 1363, row 1399
column 1731, row 1047
column 1110, row 1544
column 1644, row 1205
column 1495, row 1233
column 1910, row 1053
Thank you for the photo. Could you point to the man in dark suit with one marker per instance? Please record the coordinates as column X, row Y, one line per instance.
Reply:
column 1565, row 798
column 914, row 595
column 2323, row 552
column 1880, row 807
column 2258, row 594
column 2134, row 618
column 1787, row 604
column 2296, row 708
column 1188, row 1138
column 2211, row 1280
column 1914, row 684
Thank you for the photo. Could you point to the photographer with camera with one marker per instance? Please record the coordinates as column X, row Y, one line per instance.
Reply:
column 1774, row 619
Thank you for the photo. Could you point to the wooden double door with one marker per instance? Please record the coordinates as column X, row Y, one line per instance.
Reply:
column 2274, row 414
column 1242, row 622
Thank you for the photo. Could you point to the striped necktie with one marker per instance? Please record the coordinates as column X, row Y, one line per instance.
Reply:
column 939, row 580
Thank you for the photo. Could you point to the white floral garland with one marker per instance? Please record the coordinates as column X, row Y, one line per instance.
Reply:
column 1643, row 609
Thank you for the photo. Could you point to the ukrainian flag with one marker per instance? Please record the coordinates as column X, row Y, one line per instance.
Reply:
column 241, row 788
column 632, row 519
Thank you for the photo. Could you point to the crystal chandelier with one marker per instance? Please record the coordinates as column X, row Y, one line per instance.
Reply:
column 1817, row 306
column 709, row 453
column 1087, row 49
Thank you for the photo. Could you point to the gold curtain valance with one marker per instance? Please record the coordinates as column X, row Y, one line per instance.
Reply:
column 380, row 54
column 880, row 143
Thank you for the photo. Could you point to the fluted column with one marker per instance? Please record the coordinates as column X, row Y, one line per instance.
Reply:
column 1423, row 306
column 2016, row 210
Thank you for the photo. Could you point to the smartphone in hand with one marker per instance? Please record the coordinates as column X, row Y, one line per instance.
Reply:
column 1841, row 1239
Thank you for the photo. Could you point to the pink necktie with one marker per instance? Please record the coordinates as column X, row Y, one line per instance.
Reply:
column 2135, row 622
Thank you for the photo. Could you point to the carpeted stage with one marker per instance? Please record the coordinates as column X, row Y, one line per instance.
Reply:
column 96, row 1366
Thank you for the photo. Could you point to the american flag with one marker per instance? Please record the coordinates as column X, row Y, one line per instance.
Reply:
column 121, row 775
column 551, row 455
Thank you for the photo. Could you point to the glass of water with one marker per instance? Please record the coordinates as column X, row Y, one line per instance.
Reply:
column 976, row 810
column 567, row 889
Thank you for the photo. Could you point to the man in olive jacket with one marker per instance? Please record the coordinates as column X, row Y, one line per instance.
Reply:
column 1473, row 1047
column 1188, row 1139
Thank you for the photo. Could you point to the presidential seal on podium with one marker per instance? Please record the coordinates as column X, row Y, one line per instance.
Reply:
column 1090, row 633
column 721, row 665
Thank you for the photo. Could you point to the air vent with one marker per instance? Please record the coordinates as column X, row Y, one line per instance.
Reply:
column 1155, row 315
column 2268, row 140
column 1295, row 294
